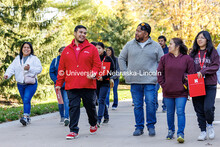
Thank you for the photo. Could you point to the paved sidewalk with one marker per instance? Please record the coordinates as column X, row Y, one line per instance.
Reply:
column 45, row 131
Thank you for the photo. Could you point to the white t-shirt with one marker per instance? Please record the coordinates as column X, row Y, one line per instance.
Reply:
column 142, row 44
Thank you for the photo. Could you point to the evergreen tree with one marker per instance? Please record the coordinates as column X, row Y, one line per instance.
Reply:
column 119, row 29
column 23, row 20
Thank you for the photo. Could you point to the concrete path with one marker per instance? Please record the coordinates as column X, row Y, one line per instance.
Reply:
column 45, row 131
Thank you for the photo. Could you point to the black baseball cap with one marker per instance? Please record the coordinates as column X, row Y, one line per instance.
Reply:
column 145, row 27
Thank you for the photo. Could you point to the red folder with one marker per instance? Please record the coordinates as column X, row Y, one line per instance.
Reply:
column 105, row 69
column 59, row 96
column 196, row 85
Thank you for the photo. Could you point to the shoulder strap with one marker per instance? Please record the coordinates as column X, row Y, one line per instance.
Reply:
column 55, row 62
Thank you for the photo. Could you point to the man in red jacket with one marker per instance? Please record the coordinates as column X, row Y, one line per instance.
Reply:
column 79, row 64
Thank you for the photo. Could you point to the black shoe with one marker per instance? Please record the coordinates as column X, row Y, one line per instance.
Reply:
column 98, row 123
column 138, row 132
column 151, row 131
column 164, row 110
column 106, row 120
column 170, row 134
column 66, row 122
column 28, row 120
column 23, row 120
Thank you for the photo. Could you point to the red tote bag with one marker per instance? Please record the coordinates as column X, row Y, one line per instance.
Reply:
column 196, row 85
column 59, row 96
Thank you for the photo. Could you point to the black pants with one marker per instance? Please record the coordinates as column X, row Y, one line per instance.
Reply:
column 204, row 107
column 88, row 97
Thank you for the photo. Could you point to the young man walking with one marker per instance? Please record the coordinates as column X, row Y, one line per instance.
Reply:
column 78, row 67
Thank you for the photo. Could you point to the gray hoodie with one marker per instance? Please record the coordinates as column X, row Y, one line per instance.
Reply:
column 139, row 65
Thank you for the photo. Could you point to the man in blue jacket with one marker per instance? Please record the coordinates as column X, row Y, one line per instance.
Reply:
column 63, row 108
column 162, row 41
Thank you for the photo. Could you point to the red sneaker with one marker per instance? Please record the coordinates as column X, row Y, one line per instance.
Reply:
column 71, row 135
column 93, row 129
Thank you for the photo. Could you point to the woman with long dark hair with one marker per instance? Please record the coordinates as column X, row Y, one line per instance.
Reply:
column 103, row 84
column 110, row 52
column 26, row 66
column 171, row 74
column 206, row 62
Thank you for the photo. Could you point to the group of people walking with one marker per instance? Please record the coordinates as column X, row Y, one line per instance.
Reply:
column 83, row 70
column 143, row 55
column 173, row 69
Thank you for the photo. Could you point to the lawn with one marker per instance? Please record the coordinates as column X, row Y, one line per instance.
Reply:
column 14, row 111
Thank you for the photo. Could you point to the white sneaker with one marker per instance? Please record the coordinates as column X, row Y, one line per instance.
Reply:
column 202, row 136
column 211, row 132
column 114, row 108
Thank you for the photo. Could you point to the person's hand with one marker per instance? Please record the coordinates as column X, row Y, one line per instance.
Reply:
column 199, row 75
column 27, row 67
column 57, row 87
column 92, row 76
column 89, row 77
column 5, row 76
column 100, row 79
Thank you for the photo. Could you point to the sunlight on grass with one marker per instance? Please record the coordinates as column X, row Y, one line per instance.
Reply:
column 49, row 104
column 123, row 94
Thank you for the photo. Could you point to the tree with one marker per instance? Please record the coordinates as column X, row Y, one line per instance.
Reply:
column 119, row 29
column 23, row 21
column 112, row 26
column 75, row 12
column 182, row 18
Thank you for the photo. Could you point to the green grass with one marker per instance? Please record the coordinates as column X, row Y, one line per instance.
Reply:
column 48, row 105
column 14, row 113
column 123, row 94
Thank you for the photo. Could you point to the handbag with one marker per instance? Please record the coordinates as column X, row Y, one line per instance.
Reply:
column 29, row 80
column 111, row 83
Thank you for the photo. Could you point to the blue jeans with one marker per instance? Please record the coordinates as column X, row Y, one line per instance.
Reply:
column 138, row 92
column 163, row 104
column 178, row 103
column 64, row 108
column 115, row 93
column 103, row 110
column 27, row 92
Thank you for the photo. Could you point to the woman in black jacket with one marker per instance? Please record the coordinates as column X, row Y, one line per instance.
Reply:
column 110, row 52
column 103, row 84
